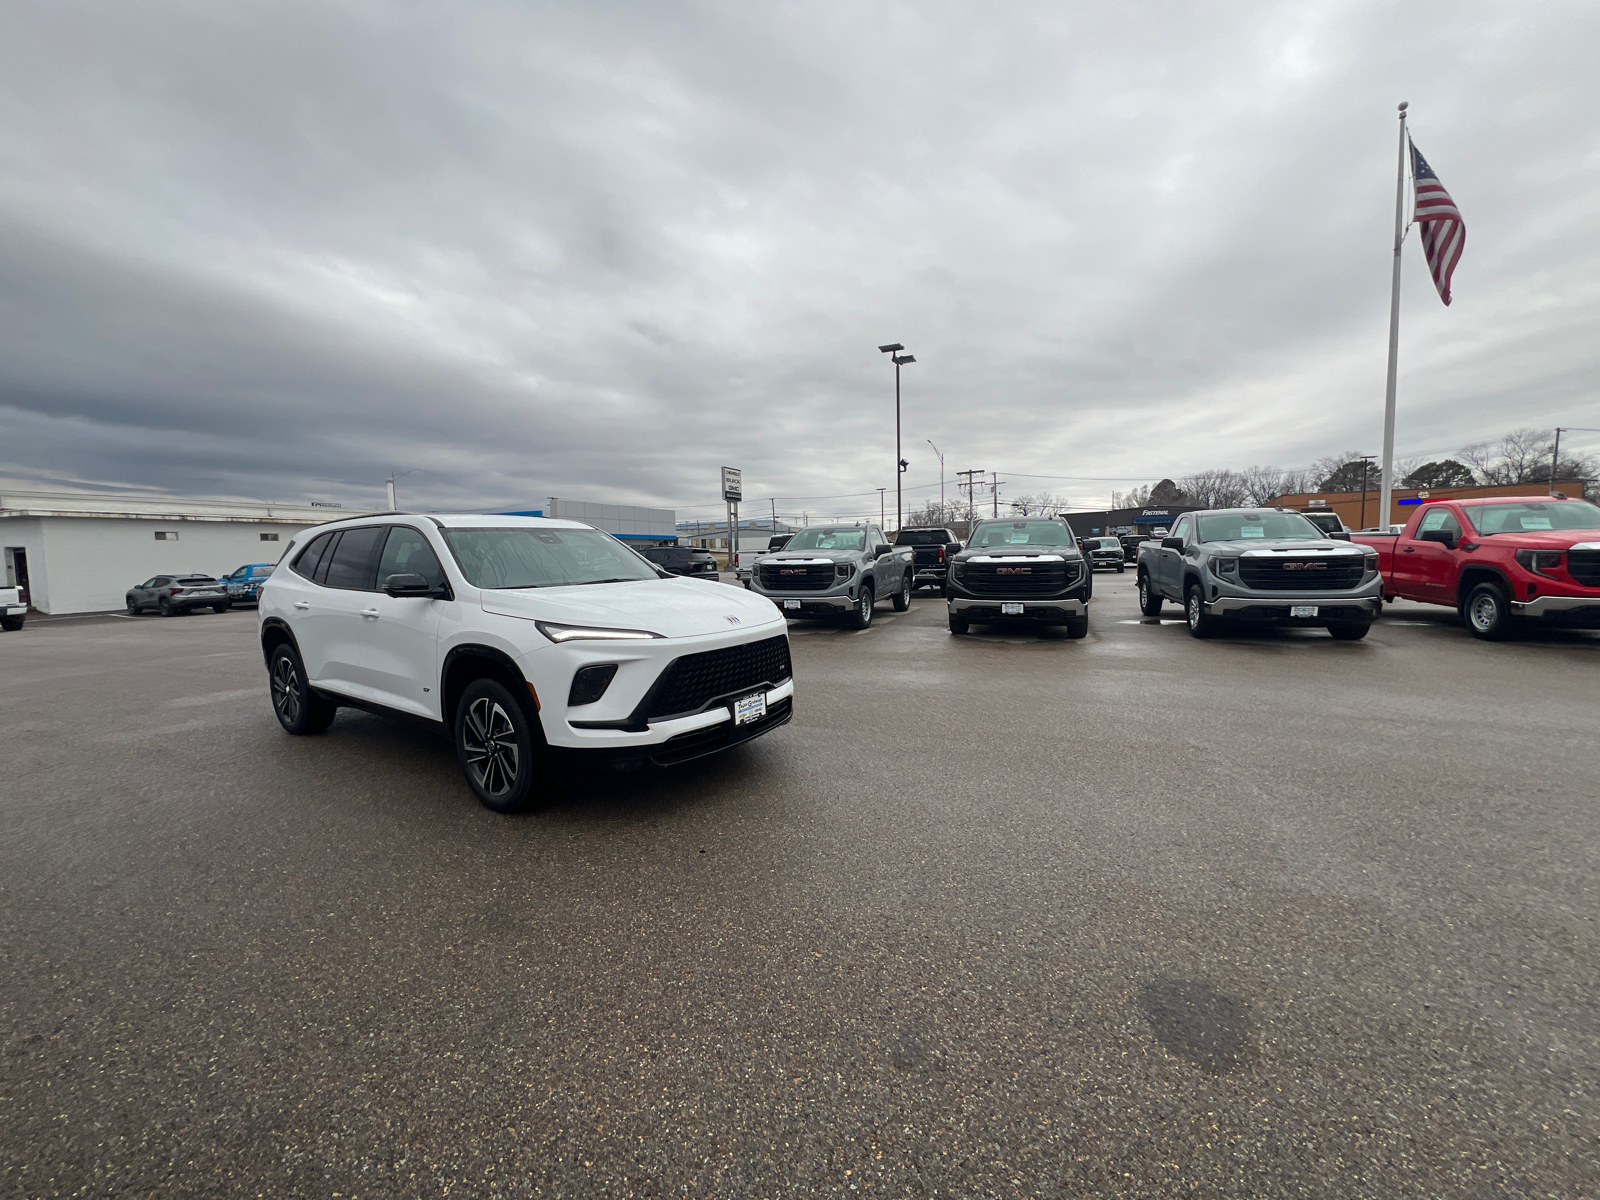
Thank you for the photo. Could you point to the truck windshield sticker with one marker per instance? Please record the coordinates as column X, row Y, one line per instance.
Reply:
column 1536, row 522
column 1252, row 531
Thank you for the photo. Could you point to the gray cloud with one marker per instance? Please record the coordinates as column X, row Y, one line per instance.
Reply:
column 598, row 250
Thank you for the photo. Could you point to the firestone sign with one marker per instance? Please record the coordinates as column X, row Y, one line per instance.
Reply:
column 732, row 484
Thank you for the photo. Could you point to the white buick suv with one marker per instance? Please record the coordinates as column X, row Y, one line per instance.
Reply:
column 526, row 638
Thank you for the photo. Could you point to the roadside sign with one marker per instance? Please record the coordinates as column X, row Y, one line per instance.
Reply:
column 732, row 484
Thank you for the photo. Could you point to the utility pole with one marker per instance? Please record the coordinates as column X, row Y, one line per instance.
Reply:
column 972, row 514
column 880, row 507
column 995, row 489
column 1366, row 461
column 774, row 514
column 942, row 516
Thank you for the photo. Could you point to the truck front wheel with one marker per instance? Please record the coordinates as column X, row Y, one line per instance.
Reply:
column 1149, row 600
column 1487, row 612
column 861, row 614
column 958, row 624
column 1201, row 623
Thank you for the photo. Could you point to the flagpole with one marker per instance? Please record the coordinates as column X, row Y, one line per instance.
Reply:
column 1386, row 487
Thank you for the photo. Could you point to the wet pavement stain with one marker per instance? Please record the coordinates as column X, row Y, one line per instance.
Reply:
column 1198, row 1023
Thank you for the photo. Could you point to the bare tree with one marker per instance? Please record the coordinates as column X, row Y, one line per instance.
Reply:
column 1522, row 456
column 1042, row 504
column 1137, row 498
column 933, row 515
column 1216, row 488
column 1263, row 485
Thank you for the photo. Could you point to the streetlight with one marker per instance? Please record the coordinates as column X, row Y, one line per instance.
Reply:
column 941, row 478
column 893, row 350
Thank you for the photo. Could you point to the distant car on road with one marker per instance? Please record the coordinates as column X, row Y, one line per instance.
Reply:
column 682, row 560
column 1104, row 554
column 173, row 594
column 244, row 585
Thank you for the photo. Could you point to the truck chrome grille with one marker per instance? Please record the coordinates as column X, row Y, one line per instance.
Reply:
column 1584, row 566
column 810, row 577
column 1331, row 574
column 693, row 680
column 1018, row 579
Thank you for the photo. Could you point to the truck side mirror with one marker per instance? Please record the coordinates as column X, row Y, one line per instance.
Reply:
column 1172, row 543
column 1340, row 535
column 882, row 549
column 1443, row 536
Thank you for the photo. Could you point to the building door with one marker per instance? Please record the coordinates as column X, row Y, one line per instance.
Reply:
column 17, row 570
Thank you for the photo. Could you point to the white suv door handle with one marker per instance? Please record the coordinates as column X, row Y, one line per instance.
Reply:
column 302, row 604
column 369, row 612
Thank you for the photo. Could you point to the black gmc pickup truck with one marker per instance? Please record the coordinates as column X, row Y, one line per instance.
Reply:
column 933, row 549
column 1026, row 571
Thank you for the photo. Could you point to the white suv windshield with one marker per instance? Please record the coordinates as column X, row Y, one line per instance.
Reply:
column 530, row 558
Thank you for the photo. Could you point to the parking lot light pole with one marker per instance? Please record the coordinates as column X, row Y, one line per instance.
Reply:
column 893, row 350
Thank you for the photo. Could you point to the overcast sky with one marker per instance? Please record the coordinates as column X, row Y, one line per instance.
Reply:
column 597, row 250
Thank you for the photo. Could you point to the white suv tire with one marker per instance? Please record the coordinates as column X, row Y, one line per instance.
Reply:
column 502, row 760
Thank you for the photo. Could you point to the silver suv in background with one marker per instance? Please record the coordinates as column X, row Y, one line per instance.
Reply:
column 835, row 571
column 525, row 638
column 1260, row 565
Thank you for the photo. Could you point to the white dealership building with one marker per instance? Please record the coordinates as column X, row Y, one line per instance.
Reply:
column 81, row 552
column 78, row 552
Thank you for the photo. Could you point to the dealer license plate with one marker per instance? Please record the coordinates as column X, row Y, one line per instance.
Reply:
column 1011, row 610
column 1302, row 610
column 791, row 605
column 750, row 708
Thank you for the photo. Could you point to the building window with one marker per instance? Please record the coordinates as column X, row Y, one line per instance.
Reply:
column 269, row 537
column 164, row 536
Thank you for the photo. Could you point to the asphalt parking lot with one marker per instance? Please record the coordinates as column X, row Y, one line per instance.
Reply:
column 998, row 915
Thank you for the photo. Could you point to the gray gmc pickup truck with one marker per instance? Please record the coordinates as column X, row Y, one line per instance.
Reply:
column 835, row 571
column 1260, row 565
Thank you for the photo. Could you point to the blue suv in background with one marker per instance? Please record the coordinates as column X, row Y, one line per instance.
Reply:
column 244, row 585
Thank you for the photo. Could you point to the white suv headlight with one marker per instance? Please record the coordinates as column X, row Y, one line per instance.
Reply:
column 584, row 633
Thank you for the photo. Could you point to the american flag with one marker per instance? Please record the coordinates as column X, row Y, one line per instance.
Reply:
column 1444, row 233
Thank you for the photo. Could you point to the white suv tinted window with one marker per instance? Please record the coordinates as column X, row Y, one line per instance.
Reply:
column 407, row 552
column 354, row 559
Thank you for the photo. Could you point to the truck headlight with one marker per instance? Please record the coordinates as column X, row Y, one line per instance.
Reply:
column 843, row 570
column 1225, row 566
column 585, row 633
column 1540, row 562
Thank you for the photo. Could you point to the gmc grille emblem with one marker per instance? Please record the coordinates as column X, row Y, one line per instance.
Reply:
column 1305, row 566
column 791, row 571
column 1013, row 571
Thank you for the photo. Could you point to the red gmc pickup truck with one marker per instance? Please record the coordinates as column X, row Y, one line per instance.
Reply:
column 1498, row 561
